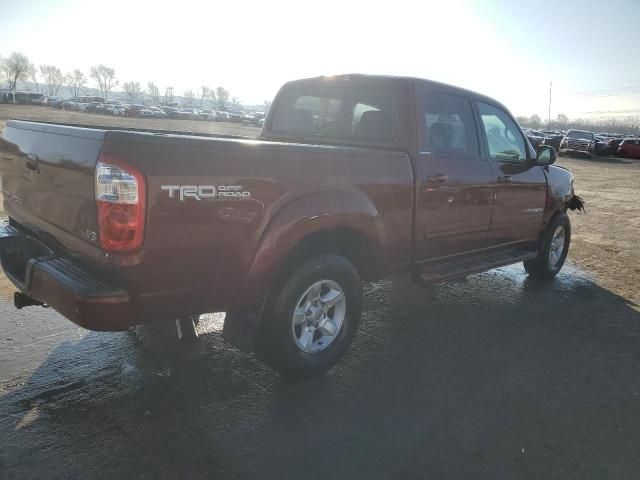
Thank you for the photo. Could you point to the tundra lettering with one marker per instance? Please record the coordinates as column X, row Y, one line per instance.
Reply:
column 206, row 192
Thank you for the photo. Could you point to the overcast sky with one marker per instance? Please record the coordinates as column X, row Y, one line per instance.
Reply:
column 509, row 50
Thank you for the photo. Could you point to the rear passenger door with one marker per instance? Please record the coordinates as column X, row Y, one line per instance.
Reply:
column 455, row 195
column 520, row 184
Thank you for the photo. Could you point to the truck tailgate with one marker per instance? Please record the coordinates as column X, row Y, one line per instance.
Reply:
column 48, row 178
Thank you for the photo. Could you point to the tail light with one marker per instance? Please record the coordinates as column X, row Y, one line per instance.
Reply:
column 121, row 202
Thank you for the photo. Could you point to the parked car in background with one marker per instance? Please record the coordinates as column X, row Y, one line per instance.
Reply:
column 535, row 137
column 252, row 118
column 172, row 112
column 93, row 107
column 222, row 116
column 69, row 104
column 236, row 117
column 111, row 108
column 206, row 114
column 121, row 110
column 614, row 143
column 629, row 147
column 578, row 141
column 188, row 114
column 145, row 113
column 602, row 146
column 50, row 101
column 158, row 112
column 553, row 138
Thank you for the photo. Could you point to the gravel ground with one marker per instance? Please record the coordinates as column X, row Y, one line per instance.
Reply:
column 494, row 377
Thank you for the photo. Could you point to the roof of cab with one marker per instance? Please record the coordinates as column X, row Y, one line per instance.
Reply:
column 389, row 78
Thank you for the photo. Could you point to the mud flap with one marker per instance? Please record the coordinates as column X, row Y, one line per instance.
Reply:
column 239, row 330
column 576, row 203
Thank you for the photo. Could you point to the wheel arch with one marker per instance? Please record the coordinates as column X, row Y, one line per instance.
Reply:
column 344, row 223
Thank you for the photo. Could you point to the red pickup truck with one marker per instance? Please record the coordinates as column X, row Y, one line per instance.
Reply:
column 353, row 178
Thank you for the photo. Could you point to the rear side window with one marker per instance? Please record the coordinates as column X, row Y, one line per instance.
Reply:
column 450, row 125
column 503, row 137
column 345, row 112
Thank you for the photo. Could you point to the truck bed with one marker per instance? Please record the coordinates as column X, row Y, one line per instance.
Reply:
column 197, row 253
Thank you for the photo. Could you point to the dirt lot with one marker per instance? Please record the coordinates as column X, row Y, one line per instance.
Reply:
column 495, row 377
column 53, row 115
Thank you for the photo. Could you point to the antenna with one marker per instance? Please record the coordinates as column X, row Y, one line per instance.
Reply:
column 549, row 120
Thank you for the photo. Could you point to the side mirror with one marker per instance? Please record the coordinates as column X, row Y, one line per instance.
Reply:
column 546, row 155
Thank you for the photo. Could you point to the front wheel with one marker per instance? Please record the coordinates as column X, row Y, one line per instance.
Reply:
column 313, row 317
column 553, row 250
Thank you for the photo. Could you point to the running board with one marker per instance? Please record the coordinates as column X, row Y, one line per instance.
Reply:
column 466, row 266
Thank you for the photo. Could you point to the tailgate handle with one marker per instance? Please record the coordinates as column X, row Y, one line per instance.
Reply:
column 32, row 162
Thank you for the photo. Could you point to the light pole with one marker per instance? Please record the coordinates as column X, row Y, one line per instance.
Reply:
column 549, row 119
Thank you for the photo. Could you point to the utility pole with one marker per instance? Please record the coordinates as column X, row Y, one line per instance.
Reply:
column 549, row 120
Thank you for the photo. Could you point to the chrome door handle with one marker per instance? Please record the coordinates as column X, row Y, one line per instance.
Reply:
column 505, row 179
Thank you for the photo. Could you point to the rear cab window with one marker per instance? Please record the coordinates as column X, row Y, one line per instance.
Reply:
column 335, row 111
column 450, row 127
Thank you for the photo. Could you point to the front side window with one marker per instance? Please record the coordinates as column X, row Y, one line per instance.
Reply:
column 503, row 137
column 450, row 125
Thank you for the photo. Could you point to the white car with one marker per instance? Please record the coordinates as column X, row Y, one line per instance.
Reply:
column 222, row 116
column 112, row 108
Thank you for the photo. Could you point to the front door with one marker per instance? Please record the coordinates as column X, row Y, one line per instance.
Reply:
column 456, row 184
column 520, row 184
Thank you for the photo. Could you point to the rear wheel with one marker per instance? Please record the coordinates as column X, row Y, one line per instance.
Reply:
column 553, row 249
column 313, row 317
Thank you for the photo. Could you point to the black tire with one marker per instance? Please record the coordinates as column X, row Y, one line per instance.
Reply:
column 275, row 344
column 187, row 330
column 542, row 267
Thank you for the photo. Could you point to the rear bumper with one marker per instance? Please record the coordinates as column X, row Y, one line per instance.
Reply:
column 64, row 285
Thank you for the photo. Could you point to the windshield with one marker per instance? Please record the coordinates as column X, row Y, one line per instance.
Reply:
column 580, row 134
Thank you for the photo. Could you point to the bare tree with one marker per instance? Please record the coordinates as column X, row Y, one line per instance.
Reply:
column 76, row 81
column 213, row 100
column 154, row 92
column 33, row 76
column 222, row 96
column 235, row 101
column 535, row 121
column 105, row 77
column 267, row 105
column 629, row 125
column 53, row 79
column 168, row 95
column 205, row 92
column 132, row 89
column 563, row 120
column 16, row 68
column 189, row 96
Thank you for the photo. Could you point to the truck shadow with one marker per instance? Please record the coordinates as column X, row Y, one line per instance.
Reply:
column 457, row 379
